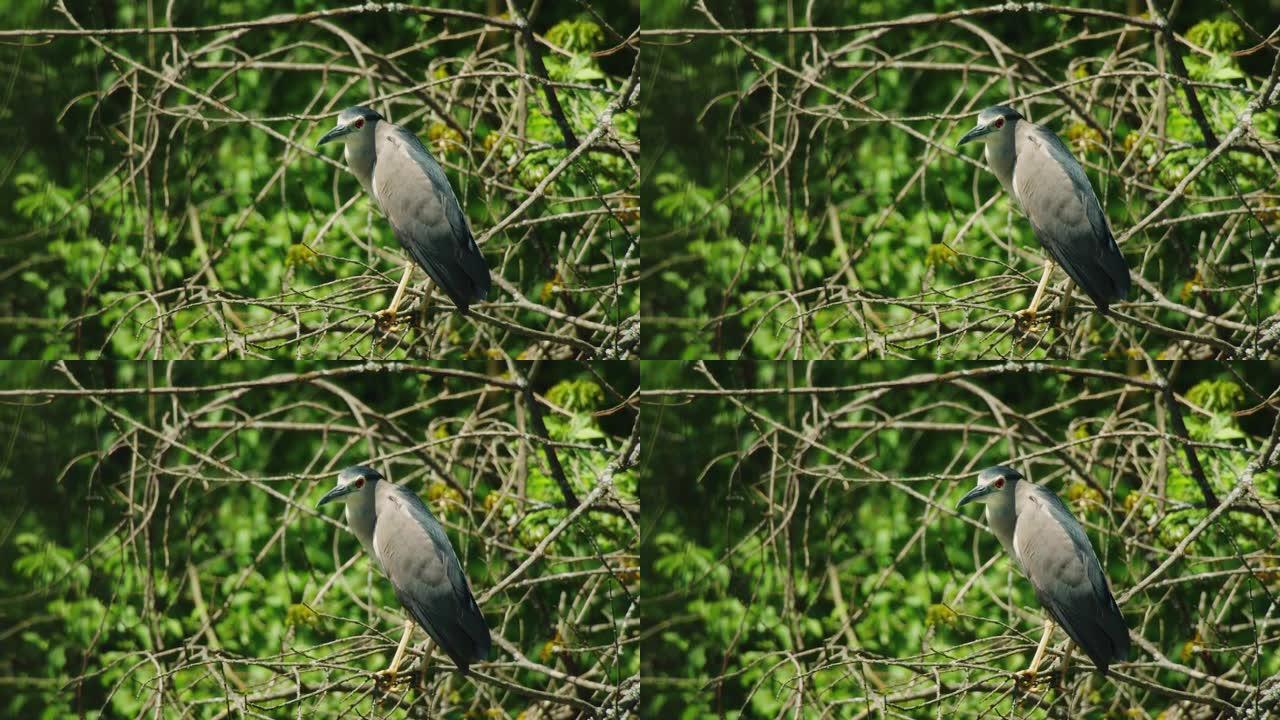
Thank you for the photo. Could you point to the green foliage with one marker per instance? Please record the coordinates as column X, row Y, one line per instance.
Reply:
column 127, row 216
column 577, row 35
column 1217, row 396
column 144, row 544
column 1218, row 35
column 300, row 254
column 802, row 203
column 576, row 395
column 44, row 562
column 940, row 254
column 300, row 614
column 769, row 559
column 940, row 614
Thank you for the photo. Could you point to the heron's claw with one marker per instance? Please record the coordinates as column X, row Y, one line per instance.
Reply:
column 388, row 678
column 1027, row 679
column 1027, row 319
column 386, row 320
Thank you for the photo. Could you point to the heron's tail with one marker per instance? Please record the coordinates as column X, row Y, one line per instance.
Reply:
column 1116, row 273
column 1101, row 271
column 468, row 638
column 476, row 270
column 1117, row 631
column 1099, row 631
column 464, row 276
column 463, row 636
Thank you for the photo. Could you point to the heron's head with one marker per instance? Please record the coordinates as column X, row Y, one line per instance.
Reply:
column 352, row 482
column 354, row 123
column 993, row 483
column 994, row 122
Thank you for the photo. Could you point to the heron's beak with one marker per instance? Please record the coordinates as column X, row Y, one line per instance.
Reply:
column 974, row 494
column 334, row 134
column 973, row 134
column 335, row 493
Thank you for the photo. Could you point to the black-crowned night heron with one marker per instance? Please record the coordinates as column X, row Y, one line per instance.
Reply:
column 411, row 189
column 1053, row 551
column 411, row 547
column 1038, row 171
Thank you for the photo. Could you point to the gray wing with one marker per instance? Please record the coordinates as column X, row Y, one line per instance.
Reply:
column 1056, row 196
column 1058, row 559
column 415, row 195
column 419, row 560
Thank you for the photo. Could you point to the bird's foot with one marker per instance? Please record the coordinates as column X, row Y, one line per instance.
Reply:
column 390, row 678
column 1027, row 319
column 386, row 320
column 1027, row 679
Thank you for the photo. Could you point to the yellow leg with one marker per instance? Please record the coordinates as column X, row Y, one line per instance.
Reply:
column 1029, row 675
column 427, row 292
column 427, row 649
column 390, row 673
column 1030, row 312
column 404, row 282
column 1066, row 661
column 1066, row 302
column 1044, row 643
column 387, row 318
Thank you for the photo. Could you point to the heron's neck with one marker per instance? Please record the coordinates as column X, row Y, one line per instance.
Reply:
column 1001, row 517
column 361, row 517
column 361, row 157
column 1000, row 157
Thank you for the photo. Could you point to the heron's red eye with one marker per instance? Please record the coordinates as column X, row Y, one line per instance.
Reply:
column 999, row 124
column 999, row 481
column 360, row 124
column 360, row 481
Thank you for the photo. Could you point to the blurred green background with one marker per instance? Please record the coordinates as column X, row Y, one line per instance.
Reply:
column 791, row 212
column 141, row 214
column 162, row 554
column 807, row 560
